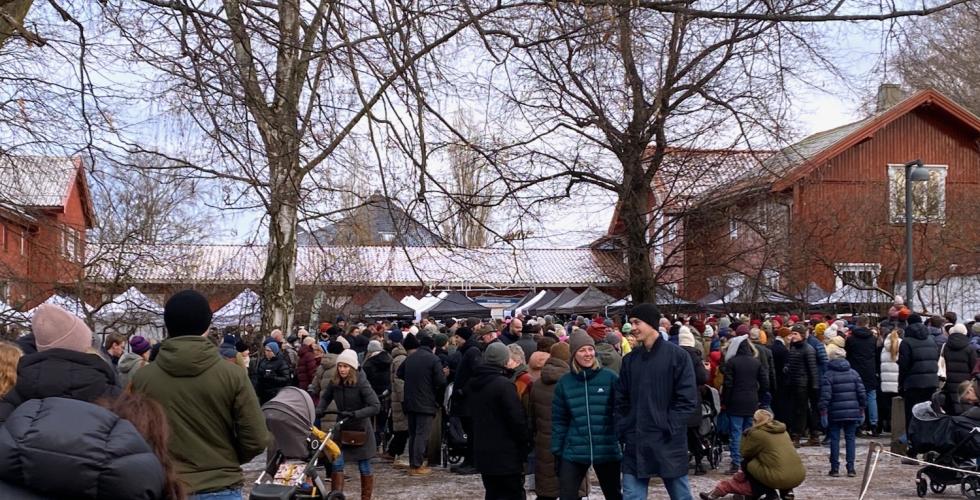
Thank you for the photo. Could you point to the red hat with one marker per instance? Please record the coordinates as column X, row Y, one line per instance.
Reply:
column 794, row 318
column 776, row 322
column 904, row 313
column 756, row 322
column 324, row 326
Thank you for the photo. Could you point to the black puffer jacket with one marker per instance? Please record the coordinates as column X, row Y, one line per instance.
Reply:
column 768, row 364
column 270, row 376
column 960, row 360
column 862, row 355
column 745, row 379
column 918, row 359
column 801, row 366
column 377, row 368
column 60, row 373
column 471, row 358
column 65, row 448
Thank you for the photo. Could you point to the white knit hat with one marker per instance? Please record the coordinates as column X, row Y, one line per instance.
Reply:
column 349, row 358
column 958, row 328
column 685, row 338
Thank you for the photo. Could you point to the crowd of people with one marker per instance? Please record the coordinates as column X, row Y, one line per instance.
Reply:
column 530, row 396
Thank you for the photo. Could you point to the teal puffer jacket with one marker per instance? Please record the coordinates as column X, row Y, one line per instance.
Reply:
column 582, row 428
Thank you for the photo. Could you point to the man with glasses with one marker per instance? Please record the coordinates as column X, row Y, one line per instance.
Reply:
column 655, row 396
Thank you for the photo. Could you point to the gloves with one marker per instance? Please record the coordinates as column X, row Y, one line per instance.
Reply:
column 823, row 421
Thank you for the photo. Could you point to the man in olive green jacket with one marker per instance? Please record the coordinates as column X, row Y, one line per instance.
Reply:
column 215, row 420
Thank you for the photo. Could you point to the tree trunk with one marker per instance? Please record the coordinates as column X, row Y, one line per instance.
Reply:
column 279, row 281
column 17, row 10
column 635, row 212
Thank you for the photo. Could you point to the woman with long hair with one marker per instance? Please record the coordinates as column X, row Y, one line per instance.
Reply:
column 582, row 430
column 889, row 378
column 149, row 419
column 9, row 356
column 356, row 405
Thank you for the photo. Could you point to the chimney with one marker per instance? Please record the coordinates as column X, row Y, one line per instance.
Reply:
column 889, row 94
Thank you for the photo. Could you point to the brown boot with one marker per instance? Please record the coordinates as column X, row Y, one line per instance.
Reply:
column 337, row 481
column 367, row 487
column 814, row 440
column 715, row 493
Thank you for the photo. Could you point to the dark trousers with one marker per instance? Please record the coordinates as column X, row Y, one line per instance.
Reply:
column 885, row 411
column 571, row 474
column 813, row 418
column 800, row 410
column 419, row 428
column 912, row 397
column 467, row 423
column 397, row 445
column 694, row 444
column 507, row 487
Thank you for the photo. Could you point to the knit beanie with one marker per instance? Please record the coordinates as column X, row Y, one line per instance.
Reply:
column 958, row 328
column 724, row 322
column 396, row 336
column 241, row 346
column 496, row 354
column 685, row 338
column 647, row 313
column 272, row 346
column 187, row 313
column 349, row 358
column 578, row 341
column 426, row 341
column 374, row 346
column 904, row 314
column 440, row 339
column 742, row 329
column 914, row 319
column 544, row 344
column 614, row 339
column 411, row 342
column 464, row 332
column 227, row 351
column 342, row 341
column 561, row 351
column 139, row 345
column 626, row 328
column 335, row 347
column 754, row 334
column 472, row 322
column 56, row 328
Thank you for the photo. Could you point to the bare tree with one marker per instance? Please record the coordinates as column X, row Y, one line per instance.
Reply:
column 943, row 51
column 470, row 204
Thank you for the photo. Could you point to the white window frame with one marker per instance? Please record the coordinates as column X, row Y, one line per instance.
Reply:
column 842, row 267
column 896, row 213
column 3, row 236
column 732, row 228
column 386, row 236
column 23, row 244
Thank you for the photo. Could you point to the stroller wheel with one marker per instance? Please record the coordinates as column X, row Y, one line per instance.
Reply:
column 970, row 487
column 937, row 487
column 921, row 488
column 455, row 459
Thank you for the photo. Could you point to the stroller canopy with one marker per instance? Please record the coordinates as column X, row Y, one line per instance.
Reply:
column 289, row 417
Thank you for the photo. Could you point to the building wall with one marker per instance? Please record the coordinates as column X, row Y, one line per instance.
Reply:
column 14, row 263
column 50, row 265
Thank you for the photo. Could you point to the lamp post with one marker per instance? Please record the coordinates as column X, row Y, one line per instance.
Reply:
column 914, row 172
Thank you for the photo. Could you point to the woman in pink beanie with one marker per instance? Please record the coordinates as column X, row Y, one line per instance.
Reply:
column 65, row 365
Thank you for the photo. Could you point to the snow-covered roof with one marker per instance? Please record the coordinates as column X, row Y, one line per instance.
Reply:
column 9, row 315
column 688, row 175
column 243, row 309
column 36, row 181
column 370, row 266
column 131, row 306
column 70, row 303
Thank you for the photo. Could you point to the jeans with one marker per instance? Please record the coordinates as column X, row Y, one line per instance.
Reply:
column 229, row 494
column 872, row 407
column 850, row 429
column 363, row 466
column 739, row 424
column 419, row 428
column 572, row 474
column 635, row 488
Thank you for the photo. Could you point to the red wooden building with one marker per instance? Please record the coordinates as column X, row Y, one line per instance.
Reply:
column 45, row 212
column 827, row 210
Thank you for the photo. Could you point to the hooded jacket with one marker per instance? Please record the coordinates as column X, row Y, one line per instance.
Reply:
column 215, row 420
column 889, row 367
column 65, row 448
column 745, row 380
column 582, row 429
column 127, row 366
column 398, row 417
column 60, row 373
column 542, row 395
column 842, row 393
column 770, row 457
column 500, row 438
column 918, row 360
column 271, row 375
column 862, row 354
column 608, row 356
column 377, row 368
column 960, row 359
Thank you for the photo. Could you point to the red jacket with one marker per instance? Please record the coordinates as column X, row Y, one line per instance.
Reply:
column 306, row 366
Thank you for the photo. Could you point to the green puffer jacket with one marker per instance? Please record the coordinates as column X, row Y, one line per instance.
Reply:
column 582, row 429
column 215, row 420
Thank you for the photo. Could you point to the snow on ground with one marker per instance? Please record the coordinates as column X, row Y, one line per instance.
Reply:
column 890, row 480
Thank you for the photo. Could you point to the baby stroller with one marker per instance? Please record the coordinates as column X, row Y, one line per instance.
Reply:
column 946, row 441
column 453, row 438
column 291, row 472
column 708, row 430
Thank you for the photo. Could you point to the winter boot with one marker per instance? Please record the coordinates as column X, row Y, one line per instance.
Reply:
column 367, row 487
column 699, row 468
column 715, row 493
column 814, row 440
column 337, row 481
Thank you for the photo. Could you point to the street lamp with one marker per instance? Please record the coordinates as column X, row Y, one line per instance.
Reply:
column 914, row 172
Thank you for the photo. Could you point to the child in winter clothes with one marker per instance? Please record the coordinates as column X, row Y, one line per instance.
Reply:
column 842, row 406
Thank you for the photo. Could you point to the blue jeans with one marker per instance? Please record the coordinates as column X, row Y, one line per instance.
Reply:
column 739, row 424
column 850, row 429
column 872, row 407
column 363, row 466
column 229, row 494
column 635, row 488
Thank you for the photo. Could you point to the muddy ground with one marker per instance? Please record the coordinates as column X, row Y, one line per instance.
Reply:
column 890, row 480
